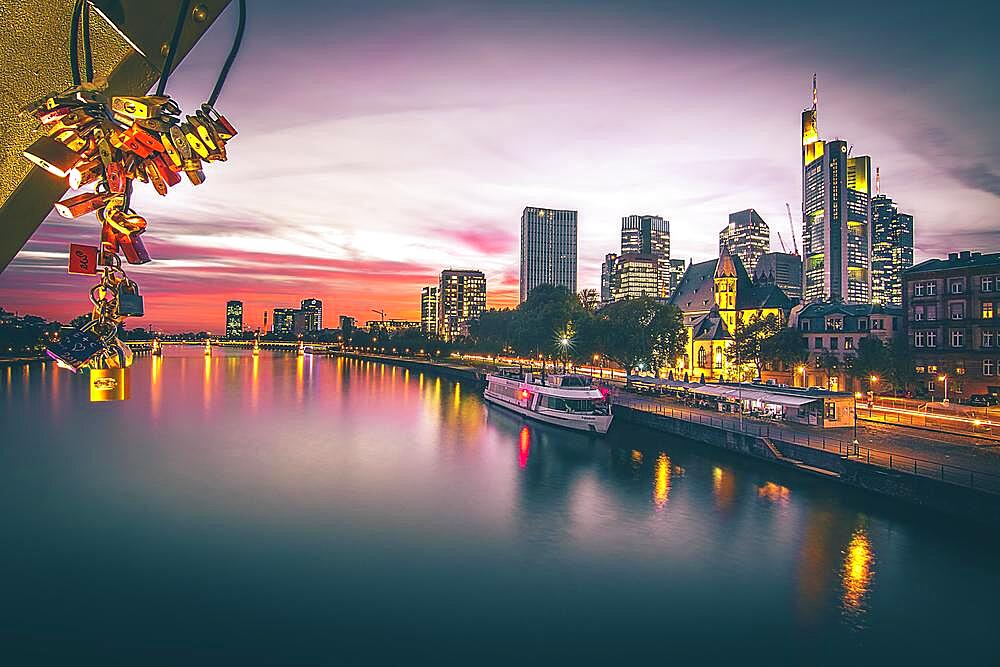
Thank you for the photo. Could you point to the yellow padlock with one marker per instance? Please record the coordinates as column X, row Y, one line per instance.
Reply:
column 109, row 384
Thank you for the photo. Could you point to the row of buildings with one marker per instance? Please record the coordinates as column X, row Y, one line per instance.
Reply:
column 308, row 317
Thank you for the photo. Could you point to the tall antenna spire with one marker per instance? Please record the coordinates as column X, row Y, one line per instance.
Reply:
column 878, row 183
column 814, row 92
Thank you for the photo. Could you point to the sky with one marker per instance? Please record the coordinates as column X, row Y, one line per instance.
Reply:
column 381, row 142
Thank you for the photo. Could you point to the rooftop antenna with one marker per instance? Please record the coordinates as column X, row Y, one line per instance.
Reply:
column 878, row 183
column 791, row 226
column 815, row 103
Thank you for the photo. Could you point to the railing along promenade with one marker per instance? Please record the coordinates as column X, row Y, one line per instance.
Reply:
column 946, row 472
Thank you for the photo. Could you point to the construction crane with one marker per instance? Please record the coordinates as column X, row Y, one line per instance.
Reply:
column 782, row 242
column 380, row 313
column 791, row 226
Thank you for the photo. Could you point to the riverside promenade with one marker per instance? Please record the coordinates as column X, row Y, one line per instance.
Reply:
column 949, row 472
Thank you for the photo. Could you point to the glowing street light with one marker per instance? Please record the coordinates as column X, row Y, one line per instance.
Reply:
column 944, row 378
column 802, row 369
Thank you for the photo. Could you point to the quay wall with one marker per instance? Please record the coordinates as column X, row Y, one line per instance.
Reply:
column 907, row 487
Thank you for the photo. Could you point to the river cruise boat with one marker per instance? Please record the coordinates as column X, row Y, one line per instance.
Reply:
column 561, row 399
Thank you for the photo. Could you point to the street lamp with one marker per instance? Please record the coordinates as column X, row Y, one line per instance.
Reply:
column 857, row 395
column 597, row 360
column 872, row 381
column 944, row 378
column 802, row 369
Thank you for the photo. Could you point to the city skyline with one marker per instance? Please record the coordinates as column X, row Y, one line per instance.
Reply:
column 375, row 215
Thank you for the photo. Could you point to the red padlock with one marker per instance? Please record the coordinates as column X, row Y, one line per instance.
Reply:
column 115, row 174
column 82, row 259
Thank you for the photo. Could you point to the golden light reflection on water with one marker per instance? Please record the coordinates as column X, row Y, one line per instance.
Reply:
column 207, row 383
column 776, row 493
column 723, row 488
column 155, row 386
column 255, row 382
column 524, row 448
column 300, row 364
column 857, row 572
column 661, row 481
column 458, row 396
column 437, row 393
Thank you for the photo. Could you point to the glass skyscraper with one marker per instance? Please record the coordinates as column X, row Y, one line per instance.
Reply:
column 548, row 249
column 428, row 310
column 892, row 250
column 234, row 319
column 461, row 299
column 836, row 216
column 649, row 235
column 312, row 314
column 746, row 236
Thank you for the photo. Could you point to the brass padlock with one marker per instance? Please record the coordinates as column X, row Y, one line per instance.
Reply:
column 191, row 135
column 81, row 204
column 52, row 156
column 85, row 173
column 109, row 384
column 193, row 170
column 138, row 107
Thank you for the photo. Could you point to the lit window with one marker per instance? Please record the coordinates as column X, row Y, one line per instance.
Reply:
column 988, row 311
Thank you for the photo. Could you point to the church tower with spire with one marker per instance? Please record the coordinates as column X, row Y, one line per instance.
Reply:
column 725, row 288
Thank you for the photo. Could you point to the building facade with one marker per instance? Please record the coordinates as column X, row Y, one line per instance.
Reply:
column 312, row 312
column 428, row 310
column 234, row 319
column 782, row 269
column 635, row 275
column 283, row 321
column 892, row 250
column 461, row 299
column 713, row 296
column 836, row 217
column 649, row 235
column 952, row 310
column 835, row 329
column 548, row 249
column 746, row 236
column 677, row 269
column 392, row 326
column 608, row 278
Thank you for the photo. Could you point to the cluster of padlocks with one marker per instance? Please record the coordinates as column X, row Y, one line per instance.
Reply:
column 105, row 145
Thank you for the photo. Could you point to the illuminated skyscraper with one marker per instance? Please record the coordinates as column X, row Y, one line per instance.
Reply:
column 650, row 235
column 548, row 249
column 312, row 313
column 428, row 310
column 836, row 215
column 892, row 249
column 234, row 319
column 608, row 278
column 746, row 236
column 283, row 321
column 637, row 275
column 461, row 299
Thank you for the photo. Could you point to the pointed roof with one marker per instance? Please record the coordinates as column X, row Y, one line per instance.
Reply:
column 710, row 326
column 725, row 268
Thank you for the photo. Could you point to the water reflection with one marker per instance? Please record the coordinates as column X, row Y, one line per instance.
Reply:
column 661, row 483
column 858, row 570
column 327, row 479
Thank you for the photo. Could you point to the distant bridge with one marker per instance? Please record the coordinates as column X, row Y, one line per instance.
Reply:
column 147, row 345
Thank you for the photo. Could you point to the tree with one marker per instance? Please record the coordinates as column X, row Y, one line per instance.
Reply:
column 667, row 334
column 493, row 330
column 829, row 363
column 543, row 318
column 786, row 348
column 624, row 334
column 589, row 299
column 872, row 358
column 748, row 340
column 900, row 371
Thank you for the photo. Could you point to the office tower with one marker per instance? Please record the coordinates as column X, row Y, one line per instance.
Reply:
column 428, row 310
column 608, row 278
column 312, row 311
column 548, row 249
column 650, row 235
column 782, row 269
column 234, row 319
column 677, row 269
column 635, row 275
column 283, row 321
column 746, row 236
column 461, row 299
column 892, row 250
column 836, row 215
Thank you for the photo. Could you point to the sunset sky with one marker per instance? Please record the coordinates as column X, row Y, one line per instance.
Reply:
column 382, row 142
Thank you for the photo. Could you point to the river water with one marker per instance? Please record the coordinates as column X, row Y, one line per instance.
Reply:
column 286, row 510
